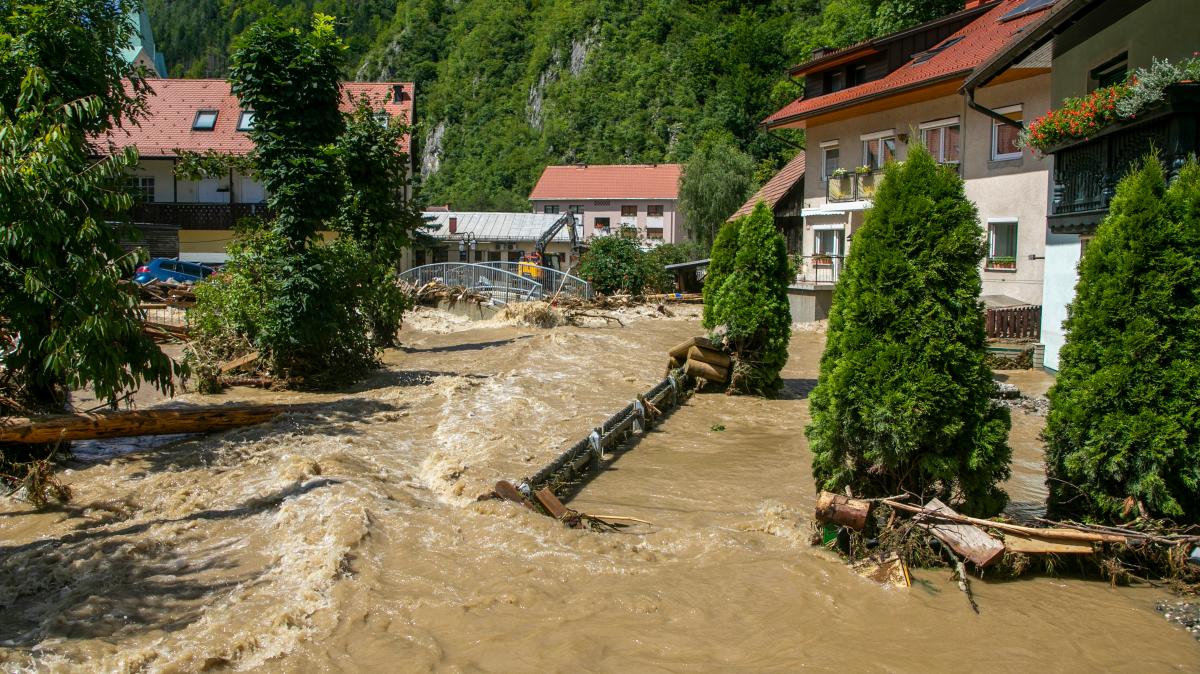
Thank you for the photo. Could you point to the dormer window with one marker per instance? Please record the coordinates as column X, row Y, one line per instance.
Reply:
column 246, row 120
column 205, row 120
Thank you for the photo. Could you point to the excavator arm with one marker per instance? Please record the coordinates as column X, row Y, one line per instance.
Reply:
column 567, row 220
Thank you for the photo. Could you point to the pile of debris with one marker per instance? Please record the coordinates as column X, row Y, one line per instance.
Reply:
column 179, row 294
column 434, row 292
column 702, row 359
column 883, row 537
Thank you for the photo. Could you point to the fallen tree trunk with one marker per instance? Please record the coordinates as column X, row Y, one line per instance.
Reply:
column 128, row 423
column 681, row 350
column 714, row 358
column 842, row 510
column 700, row 370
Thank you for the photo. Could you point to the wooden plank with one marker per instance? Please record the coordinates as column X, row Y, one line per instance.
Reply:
column 129, row 423
column 239, row 362
column 969, row 541
column 1036, row 545
column 505, row 490
column 551, row 503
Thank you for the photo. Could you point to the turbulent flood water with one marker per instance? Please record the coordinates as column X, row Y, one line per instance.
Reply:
column 346, row 537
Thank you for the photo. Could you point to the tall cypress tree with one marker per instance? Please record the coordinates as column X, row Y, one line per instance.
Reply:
column 720, row 266
column 1124, row 422
column 903, row 398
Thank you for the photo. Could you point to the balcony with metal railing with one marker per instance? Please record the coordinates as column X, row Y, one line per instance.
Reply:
column 852, row 186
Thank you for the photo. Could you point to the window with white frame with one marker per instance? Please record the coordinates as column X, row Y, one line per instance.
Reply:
column 142, row 188
column 1002, row 244
column 830, row 159
column 246, row 120
column 1004, row 136
column 879, row 149
column 943, row 139
column 827, row 244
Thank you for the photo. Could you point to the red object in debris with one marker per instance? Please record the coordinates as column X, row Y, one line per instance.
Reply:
column 143, row 269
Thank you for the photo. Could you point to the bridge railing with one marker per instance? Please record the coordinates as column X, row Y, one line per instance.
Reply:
column 503, row 281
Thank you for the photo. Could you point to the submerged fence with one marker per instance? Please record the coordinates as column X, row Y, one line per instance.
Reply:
column 1014, row 322
column 631, row 421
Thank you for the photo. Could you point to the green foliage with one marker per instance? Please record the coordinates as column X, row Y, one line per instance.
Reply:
column 720, row 266
column 903, row 397
column 1123, row 427
column 290, row 79
column 846, row 22
column 61, row 265
column 191, row 165
column 751, row 310
column 77, row 45
column 614, row 264
column 714, row 184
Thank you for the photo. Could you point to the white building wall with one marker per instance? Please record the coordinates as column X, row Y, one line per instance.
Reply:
column 670, row 222
column 1062, row 263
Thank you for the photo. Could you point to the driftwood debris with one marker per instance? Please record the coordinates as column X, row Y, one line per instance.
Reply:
column 1039, row 545
column 842, row 510
column 238, row 363
column 129, row 423
column 887, row 569
column 967, row 540
column 507, row 492
column 1058, row 534
column 681, row 350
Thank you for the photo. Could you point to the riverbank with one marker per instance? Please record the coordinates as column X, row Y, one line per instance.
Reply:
column 347, row 537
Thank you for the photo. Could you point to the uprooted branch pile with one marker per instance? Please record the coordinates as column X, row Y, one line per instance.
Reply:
column 935, row 535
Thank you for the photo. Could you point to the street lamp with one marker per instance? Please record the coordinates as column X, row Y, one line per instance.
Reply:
column 466, row 242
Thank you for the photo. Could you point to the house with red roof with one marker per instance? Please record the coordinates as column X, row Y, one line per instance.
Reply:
column 608, row 198
column 197, row 215
column 865, row 105
column 784, row 195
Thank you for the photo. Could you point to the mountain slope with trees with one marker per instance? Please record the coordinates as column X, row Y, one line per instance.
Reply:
column 505, row 87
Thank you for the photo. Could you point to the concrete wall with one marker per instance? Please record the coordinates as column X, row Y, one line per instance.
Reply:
column 808, row 304
column 1062, row 262
column 1159, row 28
column 671, row 223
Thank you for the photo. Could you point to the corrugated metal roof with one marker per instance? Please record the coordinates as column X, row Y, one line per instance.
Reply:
column 497, row 226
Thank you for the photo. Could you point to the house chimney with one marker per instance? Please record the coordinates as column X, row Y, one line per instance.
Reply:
column 453, row 225
column 398, row 92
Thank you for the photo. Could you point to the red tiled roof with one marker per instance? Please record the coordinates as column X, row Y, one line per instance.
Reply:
column 981, row 39
column 775, row 188
column 622, row 181
column 171, row 110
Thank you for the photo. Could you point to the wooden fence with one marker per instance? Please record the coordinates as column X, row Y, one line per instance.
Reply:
column 1014, row 323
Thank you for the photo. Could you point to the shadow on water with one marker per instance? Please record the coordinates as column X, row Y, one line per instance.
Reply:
column 474, row 346
column 800, row 387
column 97, row 581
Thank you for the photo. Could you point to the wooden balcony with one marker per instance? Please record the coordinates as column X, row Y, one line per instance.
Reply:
column 196, row 216
column 1086, row 172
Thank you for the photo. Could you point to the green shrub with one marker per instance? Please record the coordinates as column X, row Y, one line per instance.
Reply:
column 614, row 264
column 1124, row 427
column 903, row 397
column 720, row 265
column 751, row 307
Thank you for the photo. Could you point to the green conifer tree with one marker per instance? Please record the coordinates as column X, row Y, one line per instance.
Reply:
column 751, row 306
column 1123, row 432
column 903, row 398
column 720, row 266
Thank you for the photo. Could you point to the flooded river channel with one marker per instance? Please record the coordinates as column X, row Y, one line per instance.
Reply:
column 346, row 538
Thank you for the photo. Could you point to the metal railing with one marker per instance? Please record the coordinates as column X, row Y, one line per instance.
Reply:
column 502, row 281
column 819, row 268
column 196, row 215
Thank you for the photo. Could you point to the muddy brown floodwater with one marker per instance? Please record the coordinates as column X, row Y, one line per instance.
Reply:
column 346, row 538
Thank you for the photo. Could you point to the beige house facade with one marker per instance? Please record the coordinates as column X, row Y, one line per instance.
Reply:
column 608, row 198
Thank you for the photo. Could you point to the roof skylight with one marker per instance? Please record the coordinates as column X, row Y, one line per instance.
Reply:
column 205, row 120
column 928, row 54
column 246, row 120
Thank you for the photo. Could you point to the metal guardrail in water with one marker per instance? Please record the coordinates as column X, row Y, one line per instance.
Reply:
column 502, row 281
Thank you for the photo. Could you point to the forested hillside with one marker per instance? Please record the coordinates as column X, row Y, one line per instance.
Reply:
column 505, row 87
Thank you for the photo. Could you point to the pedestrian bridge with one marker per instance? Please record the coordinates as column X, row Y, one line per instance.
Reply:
column 502, row 281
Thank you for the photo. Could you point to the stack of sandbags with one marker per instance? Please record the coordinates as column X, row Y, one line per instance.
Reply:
column 702, row 359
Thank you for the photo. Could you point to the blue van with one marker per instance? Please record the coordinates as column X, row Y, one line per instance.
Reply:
column 166, row 269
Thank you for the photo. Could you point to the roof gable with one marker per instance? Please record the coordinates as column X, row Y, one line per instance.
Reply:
column 776, row 188
column 614, row 181
column 954, row 57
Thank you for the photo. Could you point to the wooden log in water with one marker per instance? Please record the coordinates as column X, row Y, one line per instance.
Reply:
column 130, row 423
column 681, row 350
column 842, row 510
column 967, row 540
column 707, row 372
column 714, row 358
column 238, row 362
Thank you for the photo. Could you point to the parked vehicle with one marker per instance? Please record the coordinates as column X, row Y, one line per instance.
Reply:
column 166, row 269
